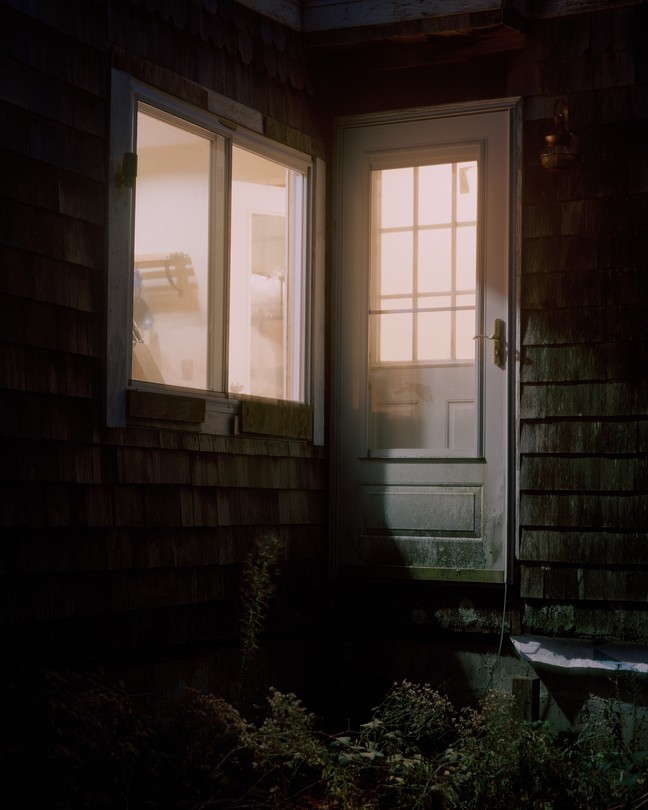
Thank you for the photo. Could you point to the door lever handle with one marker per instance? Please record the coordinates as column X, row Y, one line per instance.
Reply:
column 498, row 338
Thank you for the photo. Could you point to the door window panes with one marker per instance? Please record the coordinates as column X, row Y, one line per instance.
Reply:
column 422, row 316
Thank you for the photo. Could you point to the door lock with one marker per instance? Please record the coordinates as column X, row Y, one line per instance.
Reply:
column 498, row 342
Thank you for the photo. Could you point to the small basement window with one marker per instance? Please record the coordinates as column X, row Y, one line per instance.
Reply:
column 217, row 273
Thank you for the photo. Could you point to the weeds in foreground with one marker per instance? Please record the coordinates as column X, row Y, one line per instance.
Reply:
column 259, row 585
column 79, row 743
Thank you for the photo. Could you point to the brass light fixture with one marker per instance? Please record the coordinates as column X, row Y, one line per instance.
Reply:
column 562, row 146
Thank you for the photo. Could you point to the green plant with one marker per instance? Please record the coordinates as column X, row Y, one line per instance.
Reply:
column 68, row 739
column 498, row 760
column 396, row 753
column 73, row 740
column 288, row 755
column 199, row 753
column 258, row 587
column 286, row 735
column 607, row 759
column 412, row 717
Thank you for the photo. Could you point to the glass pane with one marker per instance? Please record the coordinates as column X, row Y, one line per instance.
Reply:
column 399, row 302
column 395, row 342
column 465, row 300
column 465, row 323
column 422, row 362
column 435, row 260
column 466, row 266
column 396, row 209
column 423, row 407
column 266, row 290
column 467, row 191
column 436, row 302
column 434, row 338
column 435, row 194
column 171, row 265
column 396, row 263
column 393, row 409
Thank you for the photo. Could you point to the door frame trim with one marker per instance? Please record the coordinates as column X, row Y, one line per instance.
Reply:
column 396, row 116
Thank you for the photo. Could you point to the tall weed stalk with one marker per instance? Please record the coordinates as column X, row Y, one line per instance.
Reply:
column 259, row 586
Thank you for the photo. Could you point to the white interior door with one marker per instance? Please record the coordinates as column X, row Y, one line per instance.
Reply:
column 422, row 332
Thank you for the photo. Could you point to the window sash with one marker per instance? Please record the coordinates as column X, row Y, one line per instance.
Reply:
column 222, row 303
column 268, row 314
column 127, row 93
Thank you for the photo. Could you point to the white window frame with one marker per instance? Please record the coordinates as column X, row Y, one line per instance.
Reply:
column 127, row 94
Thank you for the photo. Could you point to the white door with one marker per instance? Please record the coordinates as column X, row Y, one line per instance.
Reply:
column 423, row 329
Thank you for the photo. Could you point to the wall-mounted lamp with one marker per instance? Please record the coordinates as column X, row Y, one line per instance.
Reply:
column 562, row 145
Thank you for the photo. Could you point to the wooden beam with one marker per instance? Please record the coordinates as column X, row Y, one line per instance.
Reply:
column 337, row 15
column 544, row 9
column 287, row 12
column 526, row 693
column 458, row 25
column 412, row 44
column 324, row 15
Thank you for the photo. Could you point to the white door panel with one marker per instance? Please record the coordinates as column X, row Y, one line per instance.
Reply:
column 423, row 261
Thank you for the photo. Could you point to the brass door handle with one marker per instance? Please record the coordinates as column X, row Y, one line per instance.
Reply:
column 498, row 338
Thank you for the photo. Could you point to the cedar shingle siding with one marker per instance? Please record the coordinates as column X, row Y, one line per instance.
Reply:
column 129, row 541
column 582, row 403
column 584, row 396
column 122, row 542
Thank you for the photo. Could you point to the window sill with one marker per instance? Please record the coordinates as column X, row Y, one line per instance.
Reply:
column 244, row 416
column 288, row 420
column 171, row 407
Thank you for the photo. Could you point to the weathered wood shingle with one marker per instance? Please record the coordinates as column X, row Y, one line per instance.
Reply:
column 584, row 388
